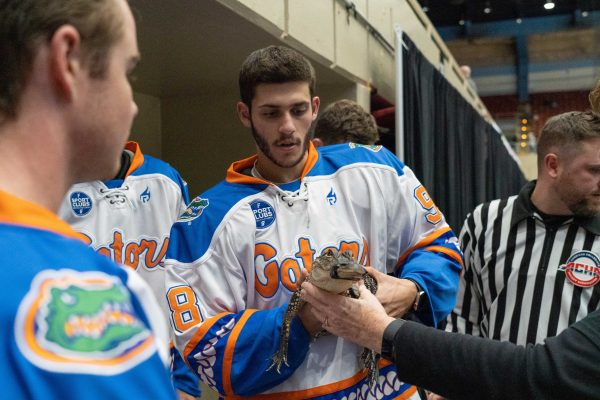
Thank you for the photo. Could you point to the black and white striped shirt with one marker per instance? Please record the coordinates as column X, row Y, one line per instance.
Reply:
column 525, row 279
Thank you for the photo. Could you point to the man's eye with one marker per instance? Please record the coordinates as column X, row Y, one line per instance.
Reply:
column 299, row 111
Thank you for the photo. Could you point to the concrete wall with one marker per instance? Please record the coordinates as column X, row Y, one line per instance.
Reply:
column 199, row 133
column 147, row 127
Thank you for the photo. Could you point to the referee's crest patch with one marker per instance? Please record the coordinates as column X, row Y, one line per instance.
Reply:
column 582, row 269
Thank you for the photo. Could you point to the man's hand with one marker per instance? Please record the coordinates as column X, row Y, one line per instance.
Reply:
column 396, row 295
column 361, row 320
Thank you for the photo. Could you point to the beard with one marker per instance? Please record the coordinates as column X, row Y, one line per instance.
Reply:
column 584, row 208
column 265, row 148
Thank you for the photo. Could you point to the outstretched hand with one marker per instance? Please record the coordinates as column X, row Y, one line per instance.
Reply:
column 361, row 320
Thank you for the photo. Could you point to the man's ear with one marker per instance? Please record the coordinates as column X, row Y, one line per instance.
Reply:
column 315, row 107
column 244, row 114
column 318, row 142
column 65, row 60
column 551, row 165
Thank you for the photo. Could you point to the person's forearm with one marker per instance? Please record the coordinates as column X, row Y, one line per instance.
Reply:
column 465, row 367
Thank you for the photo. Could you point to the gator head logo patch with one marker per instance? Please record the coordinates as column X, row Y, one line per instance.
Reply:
column 374, row 148
column 81, row 322
column 194, row 209
column 582, row 269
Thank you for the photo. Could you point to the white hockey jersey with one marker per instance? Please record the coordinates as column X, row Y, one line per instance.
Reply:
column 129, row 221
column 236, row 255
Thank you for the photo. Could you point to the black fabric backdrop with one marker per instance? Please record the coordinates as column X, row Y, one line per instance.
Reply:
column 455, row 153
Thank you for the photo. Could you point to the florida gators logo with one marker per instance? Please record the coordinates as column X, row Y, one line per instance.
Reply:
column 194, row 209
column 81, row 322
column 582, row 269
column 373, row 147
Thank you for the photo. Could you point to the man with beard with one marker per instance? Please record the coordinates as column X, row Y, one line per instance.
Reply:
column 532, row 262
column 238, row 252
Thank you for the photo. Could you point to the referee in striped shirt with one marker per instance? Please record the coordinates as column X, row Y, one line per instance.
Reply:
column 532, row 262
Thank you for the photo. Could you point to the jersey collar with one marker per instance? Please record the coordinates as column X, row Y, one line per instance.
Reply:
column 235, row 172
column 138, row 157
column 17, row 211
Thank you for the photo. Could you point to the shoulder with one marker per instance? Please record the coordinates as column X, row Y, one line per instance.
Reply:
column 73, row 281
column 335, row 157
column 207, row 214
column 153, row 165
column 486, row 213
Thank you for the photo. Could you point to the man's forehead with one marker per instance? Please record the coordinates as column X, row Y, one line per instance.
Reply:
column 281, row 94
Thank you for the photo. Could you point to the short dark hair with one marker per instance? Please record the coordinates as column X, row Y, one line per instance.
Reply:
column 595, row 97
column 274, row 64
column 565, row 132
column 346, row 121
column 24, row 24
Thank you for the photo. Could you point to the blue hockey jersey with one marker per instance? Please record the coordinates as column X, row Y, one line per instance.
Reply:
column 73, row 325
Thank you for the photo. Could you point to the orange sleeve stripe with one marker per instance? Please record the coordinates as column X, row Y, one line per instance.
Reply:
column 407, row 393
column 228, row 356
column 424, row 242
column 204, row 327
column 449, row 252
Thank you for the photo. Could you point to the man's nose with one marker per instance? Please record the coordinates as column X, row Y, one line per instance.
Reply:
column 287, row 124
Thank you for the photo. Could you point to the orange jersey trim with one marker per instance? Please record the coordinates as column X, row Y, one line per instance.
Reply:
column 204, row 327
column 228, row 356
column 424, row 242
column 17, row 211
column 325, row 389
column 138, row 157
column 450, row 253
column 407, row 393
column 235, row 171
column 235, row 174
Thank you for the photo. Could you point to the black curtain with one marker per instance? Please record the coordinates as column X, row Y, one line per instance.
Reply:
column 455, row 153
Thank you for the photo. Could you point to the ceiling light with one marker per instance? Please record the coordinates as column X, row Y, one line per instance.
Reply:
column 488, row 8
column 425, row 9
column 584, row 14
column 461, row 22
column 549, row 5
column 519, row 20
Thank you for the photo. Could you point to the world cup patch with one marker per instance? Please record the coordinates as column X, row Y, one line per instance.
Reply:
column 263, row 212
column 81, row 203
column 194, row 209
column 582, row 269
column 81, row 322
